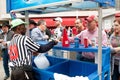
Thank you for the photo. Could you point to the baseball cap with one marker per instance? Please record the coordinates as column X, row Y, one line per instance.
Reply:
column 58, row 19
column 17, row 22
column 92, row 18
column 117, row 15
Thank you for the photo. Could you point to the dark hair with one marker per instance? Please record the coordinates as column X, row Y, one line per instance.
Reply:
column 117, row 21
column 32, row 22
column 41, row 22
column 6, row 24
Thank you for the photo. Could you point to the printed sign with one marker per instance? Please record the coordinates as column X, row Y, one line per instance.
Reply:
column 18, row 4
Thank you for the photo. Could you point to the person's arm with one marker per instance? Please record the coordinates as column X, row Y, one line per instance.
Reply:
column 71, row 39
column 5, row 43
column 1, row 40
column 104, row 39
column 34, row 47
column 47, row 47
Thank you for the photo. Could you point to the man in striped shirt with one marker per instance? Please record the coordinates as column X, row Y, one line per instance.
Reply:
column 21, row 48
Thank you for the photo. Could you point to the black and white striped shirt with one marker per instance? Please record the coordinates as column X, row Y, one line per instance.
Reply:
column 20, row 50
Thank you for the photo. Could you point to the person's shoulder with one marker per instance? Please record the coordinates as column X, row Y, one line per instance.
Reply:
column 84, row 31
column 10, row 31
column 26, row 37
column 35, row 29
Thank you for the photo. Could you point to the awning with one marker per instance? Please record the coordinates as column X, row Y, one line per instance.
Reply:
column 47, row 6
column 67, row 21
column 70, row 5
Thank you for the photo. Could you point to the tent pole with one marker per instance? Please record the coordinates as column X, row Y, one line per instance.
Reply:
column 100, row 42
column 77, row 14
column 27, row 20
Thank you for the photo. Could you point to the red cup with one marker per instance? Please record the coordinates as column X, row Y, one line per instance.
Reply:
column 85, row 42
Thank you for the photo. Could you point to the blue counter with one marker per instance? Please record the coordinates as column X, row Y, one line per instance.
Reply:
column 105, row 55
column 80, row 48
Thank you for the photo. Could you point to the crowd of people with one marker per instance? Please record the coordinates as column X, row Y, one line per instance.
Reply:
column 17, row 48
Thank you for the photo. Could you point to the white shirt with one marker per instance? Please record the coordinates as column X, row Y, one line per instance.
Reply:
column 58, row 32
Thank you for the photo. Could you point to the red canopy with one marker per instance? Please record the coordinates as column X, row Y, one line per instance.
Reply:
column 67, row 21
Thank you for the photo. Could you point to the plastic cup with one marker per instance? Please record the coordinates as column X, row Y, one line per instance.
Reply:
column 85, row 42
column 93, row 42
column 76, row 41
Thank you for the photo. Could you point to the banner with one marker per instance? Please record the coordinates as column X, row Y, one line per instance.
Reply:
column 106, row 2
column 18, row 4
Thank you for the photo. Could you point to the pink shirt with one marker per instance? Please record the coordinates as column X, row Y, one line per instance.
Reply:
column 90, row 36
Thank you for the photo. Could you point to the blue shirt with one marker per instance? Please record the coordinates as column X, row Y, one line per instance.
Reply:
column 38, row 35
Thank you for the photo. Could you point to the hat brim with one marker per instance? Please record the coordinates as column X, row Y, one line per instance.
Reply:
column 117, row 15
column 88, row 20
column 18, row 25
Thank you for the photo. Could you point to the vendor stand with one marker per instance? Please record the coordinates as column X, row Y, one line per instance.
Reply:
column 64, row 4
column 105, row 74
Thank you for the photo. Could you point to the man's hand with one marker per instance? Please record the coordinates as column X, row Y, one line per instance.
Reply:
column 56, row 41
column 46, row 37
column 1, row 40
column 4, row 43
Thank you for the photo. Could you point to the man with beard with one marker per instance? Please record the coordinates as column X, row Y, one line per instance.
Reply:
column 58, row 35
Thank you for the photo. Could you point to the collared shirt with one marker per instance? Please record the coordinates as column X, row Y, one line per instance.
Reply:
column 90, row 36
column 38, row 35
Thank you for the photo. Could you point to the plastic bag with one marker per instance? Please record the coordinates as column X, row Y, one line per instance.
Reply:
column 41, row 61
